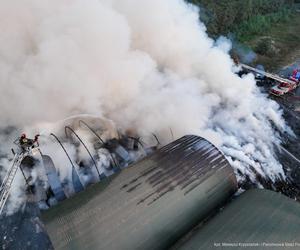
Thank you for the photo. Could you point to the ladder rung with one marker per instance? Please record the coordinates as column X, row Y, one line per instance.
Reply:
column 8, row 179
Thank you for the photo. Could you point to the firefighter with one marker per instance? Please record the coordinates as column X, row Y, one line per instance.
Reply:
column 36, row 139
column 26, row 143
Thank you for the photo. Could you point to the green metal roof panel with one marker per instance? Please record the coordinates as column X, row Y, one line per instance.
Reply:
column 258, row 217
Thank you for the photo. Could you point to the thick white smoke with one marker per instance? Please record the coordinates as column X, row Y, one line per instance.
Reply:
column 147, row 65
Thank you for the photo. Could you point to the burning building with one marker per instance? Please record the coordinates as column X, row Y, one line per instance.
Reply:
column 148, row 205
column 148, row 71
column 177, row 197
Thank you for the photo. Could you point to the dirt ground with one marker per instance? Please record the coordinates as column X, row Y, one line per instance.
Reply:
column 286, row 41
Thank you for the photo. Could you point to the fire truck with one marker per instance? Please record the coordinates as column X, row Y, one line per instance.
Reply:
column 288, row 85
column 284, row 86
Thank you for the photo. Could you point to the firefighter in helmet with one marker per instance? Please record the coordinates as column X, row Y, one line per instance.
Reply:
column 26, row 143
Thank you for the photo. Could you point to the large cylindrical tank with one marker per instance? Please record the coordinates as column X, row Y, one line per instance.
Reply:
column 149, row 205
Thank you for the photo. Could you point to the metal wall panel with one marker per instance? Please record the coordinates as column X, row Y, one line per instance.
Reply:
column 53, row 179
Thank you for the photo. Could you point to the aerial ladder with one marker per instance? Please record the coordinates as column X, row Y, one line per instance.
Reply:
column 266, row 74
column 9, row 178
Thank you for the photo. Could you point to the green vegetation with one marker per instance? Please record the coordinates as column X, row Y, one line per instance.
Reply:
column 259, row 24
column 244, row 18
column 271, row 28
column 278, row 46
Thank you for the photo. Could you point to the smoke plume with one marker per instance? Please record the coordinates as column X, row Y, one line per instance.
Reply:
column 147, row 65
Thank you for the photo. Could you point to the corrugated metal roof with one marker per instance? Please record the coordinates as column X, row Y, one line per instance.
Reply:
column 148, row 205
column 184, row 163
column 258, row 219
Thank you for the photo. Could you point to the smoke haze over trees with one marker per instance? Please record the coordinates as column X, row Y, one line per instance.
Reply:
column 270, row 28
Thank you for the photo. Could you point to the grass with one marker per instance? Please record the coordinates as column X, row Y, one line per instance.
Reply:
column 286, row 39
